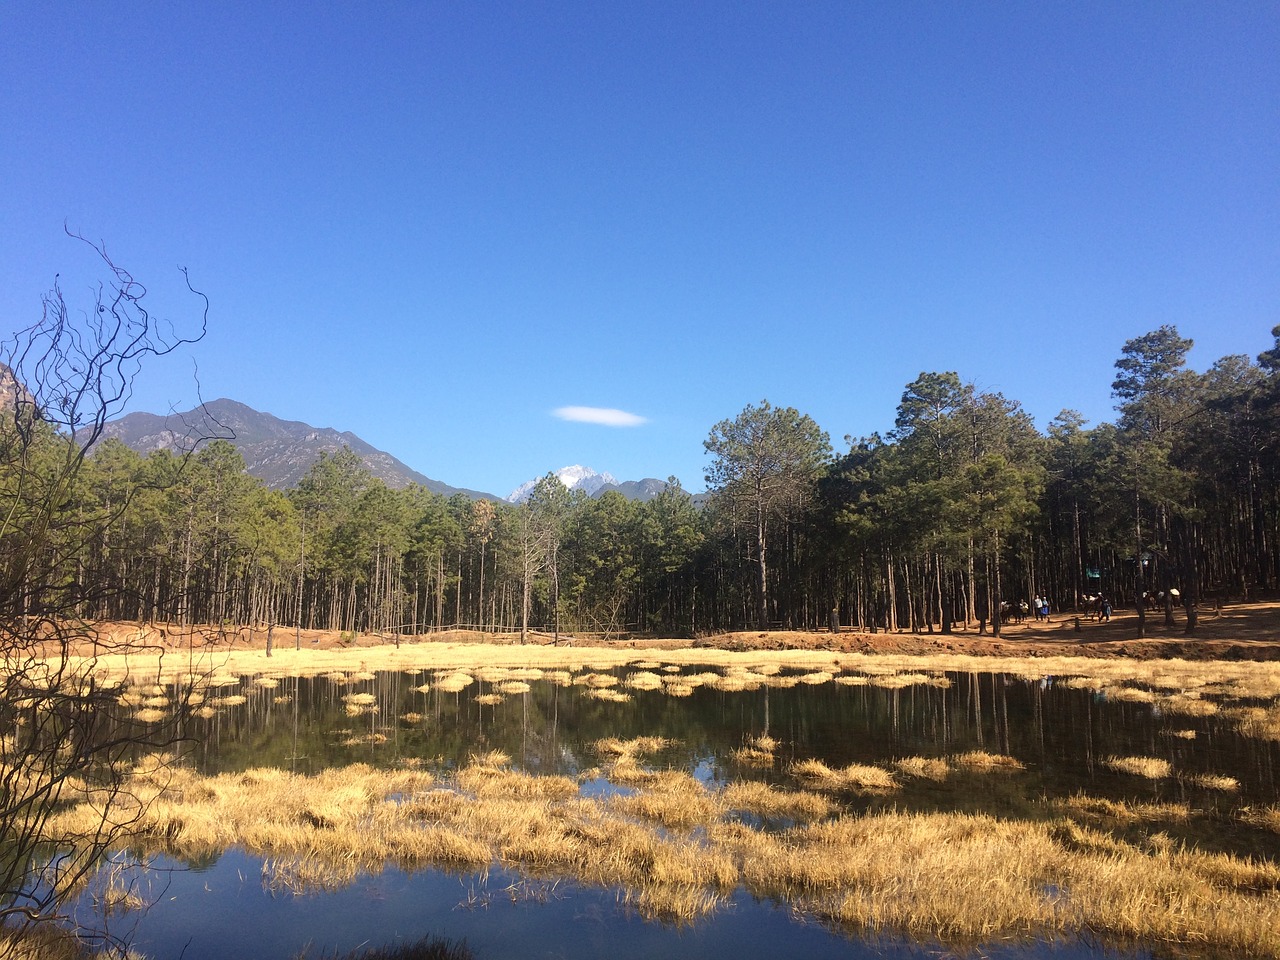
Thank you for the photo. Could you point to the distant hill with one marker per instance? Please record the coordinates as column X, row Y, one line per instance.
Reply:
column 279, row 451
column 645, row 489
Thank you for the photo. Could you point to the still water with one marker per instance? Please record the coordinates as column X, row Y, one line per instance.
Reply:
column 1061, row 734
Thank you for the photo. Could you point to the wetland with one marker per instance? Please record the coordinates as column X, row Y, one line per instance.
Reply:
column 569, row 804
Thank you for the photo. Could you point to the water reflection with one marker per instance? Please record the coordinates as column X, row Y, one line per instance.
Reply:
column 1062, row 735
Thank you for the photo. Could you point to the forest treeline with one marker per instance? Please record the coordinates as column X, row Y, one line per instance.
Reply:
column 960, row 511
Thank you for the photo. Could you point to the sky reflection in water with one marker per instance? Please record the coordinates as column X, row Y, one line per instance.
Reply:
column 1061, row 735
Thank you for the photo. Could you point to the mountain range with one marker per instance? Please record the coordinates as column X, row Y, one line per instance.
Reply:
column 594, row 484
column 281, row 452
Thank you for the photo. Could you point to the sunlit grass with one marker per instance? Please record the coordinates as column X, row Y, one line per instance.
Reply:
column 854, row 777
column 675, row 850
column 981, row 761
column 1213, row 781
column 927, row 768
column 1101, row 809
column 1265, row 818
column 1153, row 768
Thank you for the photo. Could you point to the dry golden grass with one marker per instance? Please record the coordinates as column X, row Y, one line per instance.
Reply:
column 1100, row 809
column 637, row 746
column 1213, row 781
column 942, row 875
column 1265, row 818
column 608, row 695
column 981, row 761
column 926, row 768
column 1129, row 695
column 490, row 699
column 676, row 853
column 769, row 802
column 675, row 800
column 1188, row 705
column 644, row 680
column 816, row 678
column 1153, row 768
column 454, row 682
column 853, row 680
column 855, row 777
column 757, row 752
column 1260, row 722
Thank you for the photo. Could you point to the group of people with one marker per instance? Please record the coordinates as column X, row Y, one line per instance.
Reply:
column 1040, row 607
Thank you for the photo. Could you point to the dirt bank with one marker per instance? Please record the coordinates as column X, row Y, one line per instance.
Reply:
column 1243, row 631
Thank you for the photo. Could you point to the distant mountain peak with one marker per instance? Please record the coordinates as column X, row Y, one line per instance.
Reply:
column 575, row 477
column 280, row 452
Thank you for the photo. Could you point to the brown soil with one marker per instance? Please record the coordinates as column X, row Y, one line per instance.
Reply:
column 1243, row 631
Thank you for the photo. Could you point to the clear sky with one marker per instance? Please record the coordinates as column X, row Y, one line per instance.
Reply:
column 436, row 224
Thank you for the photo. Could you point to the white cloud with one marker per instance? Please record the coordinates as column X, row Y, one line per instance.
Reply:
column 600, row 415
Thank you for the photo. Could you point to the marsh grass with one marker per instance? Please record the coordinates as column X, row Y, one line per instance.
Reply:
column 962, row 877
column 768, row 802
column 644, row 680
column 675, row 850
column 427, row 948
column 982, row 762
column 1153, row 768
column 608, row 695
column 1213, row 781
column 1260, row 722
column 1264, row 818
column 924, row 768
column 1103, row 810
column 856, row 777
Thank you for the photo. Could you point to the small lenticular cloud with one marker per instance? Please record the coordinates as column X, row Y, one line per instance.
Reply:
column 601, row 415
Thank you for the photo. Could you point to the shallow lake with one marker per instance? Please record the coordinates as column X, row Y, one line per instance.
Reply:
column 1061, row 733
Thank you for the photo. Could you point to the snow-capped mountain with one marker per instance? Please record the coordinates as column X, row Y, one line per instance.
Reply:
column 576, row 477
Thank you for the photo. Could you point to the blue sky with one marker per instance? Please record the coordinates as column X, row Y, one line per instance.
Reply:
column 436, row 224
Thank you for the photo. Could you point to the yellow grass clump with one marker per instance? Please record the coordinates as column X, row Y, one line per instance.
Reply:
column 490, row 699
column 1213, row 781
column 455, row 682
column 769, row 802
column 1188, row 705
column 514, row 687
column 1265, row 818
column 675, row 850
column 1153, row 768
column 1129, row 695
column 1260, row 722
column 925, row 768
column 1105, row 810
column 853, row 680
column 643, row 680
column 983, row 762
column 855, row 777
column 757, row 752
column 608, row 695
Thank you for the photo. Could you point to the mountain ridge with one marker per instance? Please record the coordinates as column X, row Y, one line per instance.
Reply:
column 278, row 451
